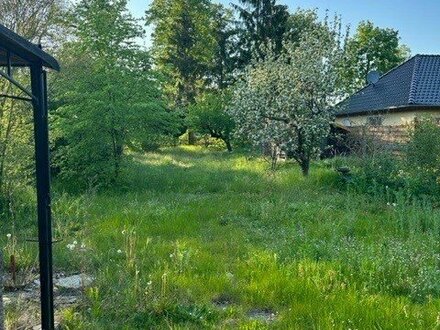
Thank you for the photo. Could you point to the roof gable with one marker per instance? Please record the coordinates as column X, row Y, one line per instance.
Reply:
column 416, row 82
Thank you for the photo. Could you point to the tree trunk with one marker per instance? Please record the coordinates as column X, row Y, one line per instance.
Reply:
column 274, row 157
column 228, row 144
column 191, row 138
column 2, row 319
column 305, row 166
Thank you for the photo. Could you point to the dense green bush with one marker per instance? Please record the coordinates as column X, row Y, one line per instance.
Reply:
column 379, row 173
column 422, row 157
column 208, row 116
column 414, row 170
column 107, row 98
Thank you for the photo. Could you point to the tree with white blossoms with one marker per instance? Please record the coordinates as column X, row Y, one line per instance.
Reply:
column 284, row 101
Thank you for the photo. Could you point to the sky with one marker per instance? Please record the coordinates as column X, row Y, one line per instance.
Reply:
column 418, row 21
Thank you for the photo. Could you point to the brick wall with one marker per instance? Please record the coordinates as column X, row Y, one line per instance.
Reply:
column 389, row 137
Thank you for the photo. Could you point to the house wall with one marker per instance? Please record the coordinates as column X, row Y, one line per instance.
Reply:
column 394, row 118
column 393, row 129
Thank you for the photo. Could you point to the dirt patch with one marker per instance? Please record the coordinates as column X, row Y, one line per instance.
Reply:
column 23, row 301
column 223, row 302
column 262, row 314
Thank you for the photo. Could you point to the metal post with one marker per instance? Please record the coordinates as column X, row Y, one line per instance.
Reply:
column 39, row 91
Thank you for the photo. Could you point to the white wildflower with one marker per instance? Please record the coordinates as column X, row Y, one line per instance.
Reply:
column 119, row 251
column 8, row 236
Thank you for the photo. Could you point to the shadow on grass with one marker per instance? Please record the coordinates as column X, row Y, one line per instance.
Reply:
column 195, row 170
column 188, row 171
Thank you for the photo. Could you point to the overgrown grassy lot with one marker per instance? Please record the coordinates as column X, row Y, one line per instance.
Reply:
column 204, row 239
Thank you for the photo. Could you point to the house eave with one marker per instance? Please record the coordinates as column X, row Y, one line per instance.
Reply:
column 408, row 107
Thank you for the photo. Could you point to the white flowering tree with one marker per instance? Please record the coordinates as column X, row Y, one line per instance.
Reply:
column 283, row 102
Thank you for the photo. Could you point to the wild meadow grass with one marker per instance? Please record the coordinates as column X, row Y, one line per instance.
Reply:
column 205, row 239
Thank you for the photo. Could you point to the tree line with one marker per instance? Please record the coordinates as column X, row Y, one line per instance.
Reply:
column 250, row 74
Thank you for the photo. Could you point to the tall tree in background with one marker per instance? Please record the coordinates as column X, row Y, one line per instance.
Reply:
column 262, row 22
column 108, row 97
column 183, row 45
column 225, row 54
column 371, row 48
column 303, row 21
column 35, row 20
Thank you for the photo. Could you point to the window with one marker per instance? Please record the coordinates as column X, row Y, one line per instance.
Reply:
column 375, row 120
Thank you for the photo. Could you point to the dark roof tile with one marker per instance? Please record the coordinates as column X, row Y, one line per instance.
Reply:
column 416, row 82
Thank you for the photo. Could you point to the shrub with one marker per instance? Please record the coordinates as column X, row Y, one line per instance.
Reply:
column 414, row 171
column 208, row 116
column 380, row 173
column 422, row 157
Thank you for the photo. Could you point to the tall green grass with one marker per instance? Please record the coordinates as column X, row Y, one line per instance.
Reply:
column 200, row 239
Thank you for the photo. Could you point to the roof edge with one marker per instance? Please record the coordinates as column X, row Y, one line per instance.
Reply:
column 406, row 107
column 385, row 74
column 414, row 80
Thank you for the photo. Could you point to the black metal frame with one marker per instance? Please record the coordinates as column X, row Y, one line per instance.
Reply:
column 36, row 60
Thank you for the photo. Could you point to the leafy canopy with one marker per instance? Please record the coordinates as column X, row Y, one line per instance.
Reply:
column 183, row 44
column 208, row 116
column 283, row 102
column 108, row 98
column 371, row 48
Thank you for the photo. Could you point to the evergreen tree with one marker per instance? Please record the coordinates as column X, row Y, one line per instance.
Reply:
column 262, row 22
column 225, row 55
column 184, row 44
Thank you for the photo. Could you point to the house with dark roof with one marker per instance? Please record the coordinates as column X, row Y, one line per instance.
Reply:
column 388, row 106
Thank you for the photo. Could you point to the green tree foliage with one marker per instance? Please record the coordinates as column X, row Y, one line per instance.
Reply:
column 262, row 22
column 371, row 48
column 423, row 149
column 184, row 44
column 225, row 54
column 108, row 98
column 36, row 20
column 208, row 116
column 422, row 157
column 283, row 102
column 302, row 21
